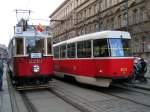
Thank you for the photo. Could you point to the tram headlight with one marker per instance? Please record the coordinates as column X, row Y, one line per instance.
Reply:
column 123, row 70
column 36, row 68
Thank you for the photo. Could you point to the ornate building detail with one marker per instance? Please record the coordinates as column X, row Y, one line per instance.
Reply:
column 78, row 17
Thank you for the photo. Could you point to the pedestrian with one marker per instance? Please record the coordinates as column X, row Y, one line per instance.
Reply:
column 140, row 70
column 1, row 74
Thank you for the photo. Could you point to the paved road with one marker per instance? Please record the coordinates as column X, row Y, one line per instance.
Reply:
column 45, row 101
column 96, row 101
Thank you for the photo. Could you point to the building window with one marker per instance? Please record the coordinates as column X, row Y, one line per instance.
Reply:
column 112, row 23
column 105, row 4
column 119, row 21
column 135, row 16
column 94, row 9
column 110, row 3
column 142, row 11
column 84, row 15
column 90, row 12
column 77, row 2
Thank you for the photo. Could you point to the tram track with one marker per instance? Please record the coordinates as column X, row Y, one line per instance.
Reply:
column 128, row 94
column 127, row 98
column 23, row 99
column 67, row 100
column 132, row 88
column 141, row 86
column 29, row 105
column 48, row 96
column 60, row 91
column 35, row 100
column 135, row 96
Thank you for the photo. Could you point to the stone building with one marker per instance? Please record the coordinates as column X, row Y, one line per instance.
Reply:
column 77, row 17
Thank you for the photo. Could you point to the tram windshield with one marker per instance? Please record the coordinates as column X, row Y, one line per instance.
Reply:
column 35, row 45
column 115, row 47
column 120, row 47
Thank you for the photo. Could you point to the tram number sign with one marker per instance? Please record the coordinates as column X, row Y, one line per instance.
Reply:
column 36, row 55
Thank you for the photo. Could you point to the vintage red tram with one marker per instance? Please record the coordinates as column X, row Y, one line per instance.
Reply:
column 97, row 58
column 30, row 58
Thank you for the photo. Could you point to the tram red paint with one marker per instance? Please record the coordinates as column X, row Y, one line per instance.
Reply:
column 24, row 65
column 112, row 68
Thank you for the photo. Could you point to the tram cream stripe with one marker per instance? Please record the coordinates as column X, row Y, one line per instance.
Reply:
column 103, row 82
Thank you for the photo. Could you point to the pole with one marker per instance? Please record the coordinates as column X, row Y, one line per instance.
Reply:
column 126, row 18
column 98, row 16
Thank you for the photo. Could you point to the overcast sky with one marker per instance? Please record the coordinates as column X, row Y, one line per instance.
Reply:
column 41, row 9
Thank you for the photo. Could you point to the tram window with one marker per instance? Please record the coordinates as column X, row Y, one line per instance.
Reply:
column 100, row 48
column 84, row 49
column 120, row 47
column 19, row 46
column 49, row 46
column 56, row 52
column 127, row 47
column 35, row 45
column 71, row 50
column 63, row 51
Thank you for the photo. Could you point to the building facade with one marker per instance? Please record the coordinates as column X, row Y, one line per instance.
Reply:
column 3, row 52
column 77, row 17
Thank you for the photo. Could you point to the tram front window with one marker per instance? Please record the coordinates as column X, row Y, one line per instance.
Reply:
column 35, row 45
column 120, row 47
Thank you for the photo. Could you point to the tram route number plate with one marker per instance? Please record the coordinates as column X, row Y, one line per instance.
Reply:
column 36, row 55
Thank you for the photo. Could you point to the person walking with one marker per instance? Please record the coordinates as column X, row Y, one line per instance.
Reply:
column 140, row 68
column 1, row 74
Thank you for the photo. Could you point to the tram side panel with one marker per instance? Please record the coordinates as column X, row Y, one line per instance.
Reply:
column 114, row 68
column 76, row 67
column 106, row 68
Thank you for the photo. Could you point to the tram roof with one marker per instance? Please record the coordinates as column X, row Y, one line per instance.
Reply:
column 97, row 35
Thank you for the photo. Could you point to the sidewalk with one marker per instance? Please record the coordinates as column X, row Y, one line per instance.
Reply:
column 5, row 104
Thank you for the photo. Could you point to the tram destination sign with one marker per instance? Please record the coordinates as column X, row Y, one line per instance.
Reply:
column 36, row 55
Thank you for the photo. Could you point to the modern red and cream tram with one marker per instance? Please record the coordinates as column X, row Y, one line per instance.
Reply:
column 30, row 57
column 97, row 58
